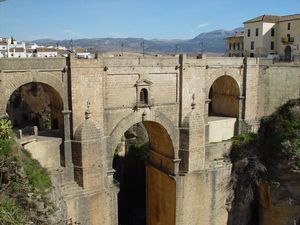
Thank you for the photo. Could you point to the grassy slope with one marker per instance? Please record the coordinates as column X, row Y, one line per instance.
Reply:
column 24, row 185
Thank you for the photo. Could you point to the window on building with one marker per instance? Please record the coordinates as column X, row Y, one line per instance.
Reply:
column 289, row 26
column 252, row 45
column 233, row 46
column 144, row 96
column 273, row 32
column 242, row 46
column 238, row 46
column 229, row 46
column 249, row 32
column 272, row 45
column 256, row 32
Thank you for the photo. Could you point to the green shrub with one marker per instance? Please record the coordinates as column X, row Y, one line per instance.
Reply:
column 37, row 176
column 10, row 212
column 5, row 147
column 23, row 185
column 242, row 146
column 5, row 129
column 281, row 134
column 141, row 151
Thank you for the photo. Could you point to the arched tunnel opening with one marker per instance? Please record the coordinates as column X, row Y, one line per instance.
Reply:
column 130, row 164
column 143, row 164
column 224, row 109
column 36, row 104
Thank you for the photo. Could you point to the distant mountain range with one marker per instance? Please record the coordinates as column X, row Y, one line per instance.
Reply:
column 213, row 42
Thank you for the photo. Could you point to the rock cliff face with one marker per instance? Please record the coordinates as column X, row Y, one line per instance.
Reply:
column 279, row 201
column 266, row 171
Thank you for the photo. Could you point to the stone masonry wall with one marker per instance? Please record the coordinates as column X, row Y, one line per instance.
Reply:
column 178, row 89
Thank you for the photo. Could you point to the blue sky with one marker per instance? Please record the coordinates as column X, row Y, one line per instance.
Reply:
column 163, row 19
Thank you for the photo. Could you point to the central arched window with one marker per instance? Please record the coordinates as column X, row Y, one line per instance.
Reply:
column 144, row 96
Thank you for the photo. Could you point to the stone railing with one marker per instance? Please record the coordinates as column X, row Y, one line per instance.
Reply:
column 27, row 134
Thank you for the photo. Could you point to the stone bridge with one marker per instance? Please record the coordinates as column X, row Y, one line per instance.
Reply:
column 190, row 108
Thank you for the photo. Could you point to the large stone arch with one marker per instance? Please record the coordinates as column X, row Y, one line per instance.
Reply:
column 143, row 116
column 161, row 166
column 12, row 83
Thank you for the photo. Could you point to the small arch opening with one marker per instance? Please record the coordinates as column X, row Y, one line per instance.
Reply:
column 224, row 95
column 224, row 109
column 36, row 104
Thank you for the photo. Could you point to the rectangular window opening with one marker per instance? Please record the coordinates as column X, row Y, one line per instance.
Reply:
column 272, row 45
column 272, row 32
column 252, row 45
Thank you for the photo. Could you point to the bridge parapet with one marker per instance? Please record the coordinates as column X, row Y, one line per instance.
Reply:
column 24, row 64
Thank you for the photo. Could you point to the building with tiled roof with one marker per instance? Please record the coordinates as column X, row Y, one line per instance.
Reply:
column 45, row 52
column 269, row 34
column 82, row 53
column 264, row 18
column 236, row 45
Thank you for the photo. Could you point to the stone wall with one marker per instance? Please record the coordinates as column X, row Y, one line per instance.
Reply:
column 278, row 83
column 178, row 102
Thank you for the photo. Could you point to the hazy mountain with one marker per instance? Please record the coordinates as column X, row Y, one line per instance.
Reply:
column 213, row 41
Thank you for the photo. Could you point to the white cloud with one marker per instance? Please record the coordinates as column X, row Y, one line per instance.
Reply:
column 200, row 25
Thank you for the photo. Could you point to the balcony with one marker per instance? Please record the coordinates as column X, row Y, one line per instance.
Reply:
column 287, row 40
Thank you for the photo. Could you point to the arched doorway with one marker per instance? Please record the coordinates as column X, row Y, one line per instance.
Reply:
column 224, row 94
column 36, row 104
column 143, row 164
column 223, row 109
column 288, row 53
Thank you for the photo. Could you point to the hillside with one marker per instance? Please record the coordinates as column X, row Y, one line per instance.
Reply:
column 24, row 184
column 213, row 41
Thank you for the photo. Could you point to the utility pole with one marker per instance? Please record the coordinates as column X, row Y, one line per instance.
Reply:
column 143, row 46
column 122, row 48
column 176, row 48
column 201, row 47
column 71, row 44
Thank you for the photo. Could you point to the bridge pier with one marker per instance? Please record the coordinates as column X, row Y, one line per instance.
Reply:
column 69, row 172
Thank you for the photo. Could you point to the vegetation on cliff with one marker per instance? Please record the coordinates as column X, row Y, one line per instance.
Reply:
column 24, row 184
column 280, row 137
column 257, row 157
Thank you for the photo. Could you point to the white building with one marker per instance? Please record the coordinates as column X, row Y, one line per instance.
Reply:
column 45, row 52
column 9, row 47
column 82, row 53
column 3, row 47
column 17, row 53
column 268, row 34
